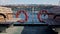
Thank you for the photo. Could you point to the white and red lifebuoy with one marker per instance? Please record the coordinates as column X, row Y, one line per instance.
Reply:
column 25, row 13
column 40, row 14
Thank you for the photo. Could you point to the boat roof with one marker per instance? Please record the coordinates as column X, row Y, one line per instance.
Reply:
column 30, row 5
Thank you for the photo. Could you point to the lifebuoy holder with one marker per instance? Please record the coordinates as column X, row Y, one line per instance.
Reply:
column 25, row 13
column 40, row 13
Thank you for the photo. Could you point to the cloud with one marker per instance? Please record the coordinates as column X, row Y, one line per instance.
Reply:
column 3, row 2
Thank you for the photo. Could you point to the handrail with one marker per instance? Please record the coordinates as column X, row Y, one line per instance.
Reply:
column 3, row 15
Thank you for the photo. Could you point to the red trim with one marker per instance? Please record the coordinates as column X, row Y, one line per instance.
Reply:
column 26, row 16
column 39, row 14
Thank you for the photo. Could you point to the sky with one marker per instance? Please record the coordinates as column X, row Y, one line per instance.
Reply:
column 5, row 2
